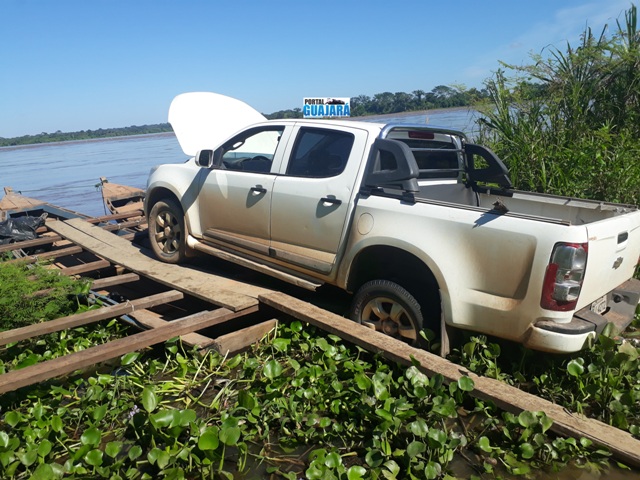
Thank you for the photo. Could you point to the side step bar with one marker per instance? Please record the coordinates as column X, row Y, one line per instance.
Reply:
column 307, row 283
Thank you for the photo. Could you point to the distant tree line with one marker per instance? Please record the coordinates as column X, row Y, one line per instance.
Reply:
column 85, row 134
column 441, row 96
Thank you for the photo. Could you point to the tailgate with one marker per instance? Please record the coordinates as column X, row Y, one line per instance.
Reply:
column 614, row 249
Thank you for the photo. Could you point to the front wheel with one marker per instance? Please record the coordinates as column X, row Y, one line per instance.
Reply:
column 388, row 308
column 167, row 231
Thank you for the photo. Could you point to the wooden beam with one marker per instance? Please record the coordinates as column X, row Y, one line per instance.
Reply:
column 621, row 444
column 63, row 252
column 238, row 341
column 69, row 363
column 85, row 267
column 150, row 319
column 91, row 316
column 116, row 216
column 121, row 226
column 101, row 283
column 30, row 243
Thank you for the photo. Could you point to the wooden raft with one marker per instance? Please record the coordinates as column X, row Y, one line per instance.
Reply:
column 224, row 292
column 621, row 444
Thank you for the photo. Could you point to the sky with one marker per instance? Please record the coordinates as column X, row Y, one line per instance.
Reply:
column 73, row 65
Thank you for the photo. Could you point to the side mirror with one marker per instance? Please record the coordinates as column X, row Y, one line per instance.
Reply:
column 209, row 158
column 204, row 158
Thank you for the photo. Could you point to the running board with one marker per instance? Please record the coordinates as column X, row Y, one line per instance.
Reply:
column 308, row 284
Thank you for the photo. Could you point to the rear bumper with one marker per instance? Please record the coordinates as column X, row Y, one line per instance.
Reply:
column 568, row 337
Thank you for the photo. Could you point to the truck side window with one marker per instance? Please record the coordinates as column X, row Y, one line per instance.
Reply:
column 252, row 151
column 320, row 153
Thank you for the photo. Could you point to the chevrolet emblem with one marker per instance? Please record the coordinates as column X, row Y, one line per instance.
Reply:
column 617, row 263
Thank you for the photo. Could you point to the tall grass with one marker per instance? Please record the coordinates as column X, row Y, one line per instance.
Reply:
column 569, row 123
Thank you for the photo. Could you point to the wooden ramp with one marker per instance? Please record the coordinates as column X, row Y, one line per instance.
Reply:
column 224, row 292
column 621, row 444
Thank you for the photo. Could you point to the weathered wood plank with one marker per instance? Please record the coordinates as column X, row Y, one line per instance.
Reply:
column 150, row 319
column 121, row 226
column 221, row 291
column 116, row 216
column 85, row 267
column 621, row 444
column 69, row 363
column 62, row 252
column 238, row 341
column 30, row 243
column 101, row 283
column 91, row 316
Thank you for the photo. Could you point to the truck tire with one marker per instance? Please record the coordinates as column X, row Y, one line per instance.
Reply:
column 388, row 308
column 167, row 231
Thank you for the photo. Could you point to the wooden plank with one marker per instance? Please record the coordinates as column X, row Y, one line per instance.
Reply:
column 621, row 444
column 150, row 319
column 30, row 243
column 62, row 252
column 85, row 267
column 121, row 226
column 115, row 216
column 221, row 291
column 91, row 316
column 69, row 363
column 238, row 341
column 101, row 283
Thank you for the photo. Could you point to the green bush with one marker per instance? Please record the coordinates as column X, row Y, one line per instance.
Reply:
column 569, row 124
column 33, row 293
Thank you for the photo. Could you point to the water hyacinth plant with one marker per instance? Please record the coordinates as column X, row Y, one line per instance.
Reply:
column 300, row 404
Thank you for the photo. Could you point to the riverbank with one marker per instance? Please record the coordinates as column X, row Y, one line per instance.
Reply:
column 414, row 113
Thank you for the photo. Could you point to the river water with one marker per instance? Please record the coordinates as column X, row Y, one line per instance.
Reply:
column 66, row 173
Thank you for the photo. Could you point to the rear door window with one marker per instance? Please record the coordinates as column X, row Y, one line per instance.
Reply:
column 320, row 153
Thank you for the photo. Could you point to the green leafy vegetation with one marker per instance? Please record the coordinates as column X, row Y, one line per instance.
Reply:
column 298, row 404
column 569, row 123
column 601, row 382
column 33, row 293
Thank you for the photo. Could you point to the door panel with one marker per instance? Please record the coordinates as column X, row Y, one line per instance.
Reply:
column 234, row 208
column 235, row 199
column 311, row 202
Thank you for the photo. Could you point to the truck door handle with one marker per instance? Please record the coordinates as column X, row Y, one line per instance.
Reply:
column 331, row 200
column 258, row 190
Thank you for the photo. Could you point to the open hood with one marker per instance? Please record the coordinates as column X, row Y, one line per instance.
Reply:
column 203, row 120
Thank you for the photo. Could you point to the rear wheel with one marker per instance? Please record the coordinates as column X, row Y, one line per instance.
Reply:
column 388, row 308
column 167, row 231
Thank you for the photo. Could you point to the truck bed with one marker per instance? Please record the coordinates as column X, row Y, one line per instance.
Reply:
column 569, row 211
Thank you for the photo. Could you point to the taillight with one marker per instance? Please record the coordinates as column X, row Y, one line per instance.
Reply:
column 564, row 276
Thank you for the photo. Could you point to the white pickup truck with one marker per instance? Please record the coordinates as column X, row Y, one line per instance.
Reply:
column 422, row 226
